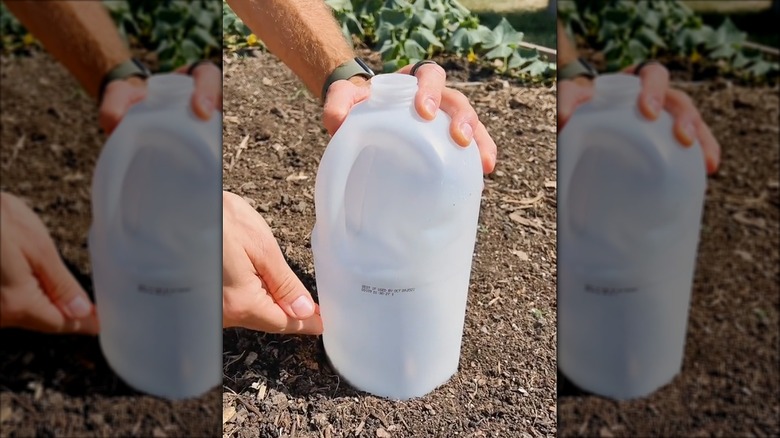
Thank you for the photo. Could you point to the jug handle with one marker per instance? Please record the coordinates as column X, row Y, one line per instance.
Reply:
column 330, row 190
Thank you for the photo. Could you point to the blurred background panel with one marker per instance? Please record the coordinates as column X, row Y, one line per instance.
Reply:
column 60, row 385
column 724, row 54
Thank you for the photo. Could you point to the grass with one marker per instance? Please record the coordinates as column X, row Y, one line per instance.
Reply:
column 528, row 16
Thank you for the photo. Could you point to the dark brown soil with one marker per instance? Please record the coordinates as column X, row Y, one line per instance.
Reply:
column 282, row 385
column 729, row 383
column 61, row 385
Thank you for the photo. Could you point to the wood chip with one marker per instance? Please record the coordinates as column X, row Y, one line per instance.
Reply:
column 531, row 223
column 758, row 222
column 228, row 413
column 522, row 254
column 250, row 358
column 300, row 176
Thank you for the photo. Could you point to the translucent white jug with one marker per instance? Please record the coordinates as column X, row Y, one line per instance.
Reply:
column 629, row 213
column 156, row 244
column 397, row 203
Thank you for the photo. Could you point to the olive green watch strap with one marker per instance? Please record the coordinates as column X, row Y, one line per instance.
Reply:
column 576, row 68
column 353, row 67
column 129, row 68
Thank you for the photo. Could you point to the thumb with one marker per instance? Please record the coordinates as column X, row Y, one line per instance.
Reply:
column 570, row 96
column 60, row 286
column 283, row 285
column 117, row 100
column 342, row 96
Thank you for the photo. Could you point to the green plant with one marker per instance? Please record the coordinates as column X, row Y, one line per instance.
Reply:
column 178, row 32
column 628, row 32
column 236, row 35
column 406, row 31
column 15, row 38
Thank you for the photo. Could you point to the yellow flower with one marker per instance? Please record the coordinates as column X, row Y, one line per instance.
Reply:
column 251, row 39
column 28, row 39
column 695, row 56
column 471, row 57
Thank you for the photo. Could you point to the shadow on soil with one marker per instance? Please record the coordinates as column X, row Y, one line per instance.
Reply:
column 292, row 350
column 72, row 364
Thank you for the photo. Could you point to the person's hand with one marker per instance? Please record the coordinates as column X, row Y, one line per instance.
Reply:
column 656, row 95
column 432, row 95
column 37, row 292
column 121, row 95
column 259, row 290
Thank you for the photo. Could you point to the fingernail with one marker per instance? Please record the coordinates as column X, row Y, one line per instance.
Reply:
column 78, row 307
column 690, row 134
column 302, row 307
column 467, row 132
column 430, row 106
column 654, row 105
column 206, row 105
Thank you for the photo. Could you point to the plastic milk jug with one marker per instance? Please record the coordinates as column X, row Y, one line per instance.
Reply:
column 397, row 203
column 156, row 244
column 629, row 213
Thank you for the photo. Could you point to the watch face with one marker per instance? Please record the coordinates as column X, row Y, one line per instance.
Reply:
column 144, row 70
column 365, row 67
column 589, row 70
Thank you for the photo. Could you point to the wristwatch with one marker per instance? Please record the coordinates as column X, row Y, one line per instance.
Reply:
column 353, row 67
column 575, row 69
column 131, row 67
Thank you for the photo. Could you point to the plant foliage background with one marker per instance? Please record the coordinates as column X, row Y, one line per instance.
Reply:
column 628, row 32
column 406, row 31
column 178, row 32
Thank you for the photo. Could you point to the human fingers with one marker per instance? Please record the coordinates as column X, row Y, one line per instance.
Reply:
column 117, row 99
column 342, row 96
column 571, row 94
column 689, row 127
column 655, row 84
column 431, row 83
column 208, row 88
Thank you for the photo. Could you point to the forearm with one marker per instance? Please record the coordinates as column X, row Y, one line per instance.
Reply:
column 567, row 52
column 81, row 35
column 302, row 33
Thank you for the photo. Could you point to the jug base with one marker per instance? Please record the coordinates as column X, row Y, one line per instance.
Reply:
column 633, row 392
column 137, row 382
column 385, row 394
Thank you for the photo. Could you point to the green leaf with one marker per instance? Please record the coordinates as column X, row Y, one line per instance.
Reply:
column 190, row 50
column 649, row 36
column 760, row 68
column 637, row 51
column 413, row 49
column 426, row 18
column 516, row 60
column 204, row 36
column 501, row 52
column 426, row 38
column 724, row 51
column 394, row 17
column 503, row 33
column 729, row 34
column 536, row 68
column 340, row 5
